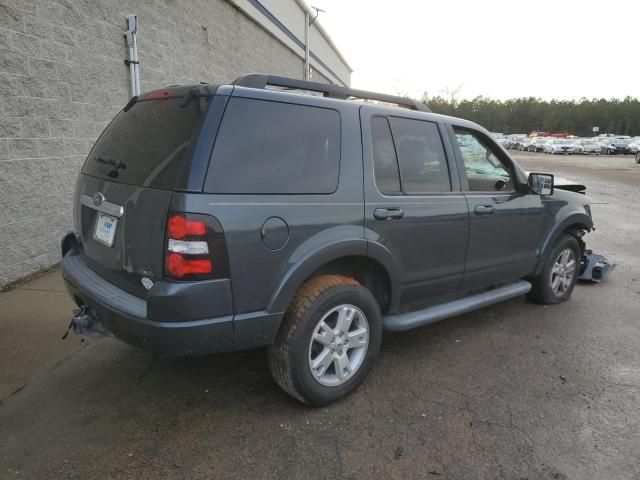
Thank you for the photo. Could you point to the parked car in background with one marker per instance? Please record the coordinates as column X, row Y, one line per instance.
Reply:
column 558, row 146
column 523, row 144
column 614, row 145
column 585, row 146
column 634, row 146
column 537, row 144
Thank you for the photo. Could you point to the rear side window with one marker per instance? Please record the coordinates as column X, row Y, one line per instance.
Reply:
column 385, row 161
column 423, row 164
column 147, row 144
column 270, row 148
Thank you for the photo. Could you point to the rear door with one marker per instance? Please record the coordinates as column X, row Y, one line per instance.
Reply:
column 506, row 224
column 123, row 192
column 413, row 203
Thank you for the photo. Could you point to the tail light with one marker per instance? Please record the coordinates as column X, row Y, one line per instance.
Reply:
column 195, row 248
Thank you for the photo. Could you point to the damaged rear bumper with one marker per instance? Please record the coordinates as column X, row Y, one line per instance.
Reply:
column 594, row 267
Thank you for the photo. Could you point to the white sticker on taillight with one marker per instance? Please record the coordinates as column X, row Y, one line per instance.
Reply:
column 188, row 247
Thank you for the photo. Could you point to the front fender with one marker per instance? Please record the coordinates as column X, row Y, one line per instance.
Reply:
column 560, row 225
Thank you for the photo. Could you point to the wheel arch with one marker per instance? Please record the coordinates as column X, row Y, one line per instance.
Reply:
column 573, row 224
column 369, row 263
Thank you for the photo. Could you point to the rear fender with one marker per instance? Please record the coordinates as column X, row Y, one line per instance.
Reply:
column 316, row 253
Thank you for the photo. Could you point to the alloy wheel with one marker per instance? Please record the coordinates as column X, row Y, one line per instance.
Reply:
column 563, row 271
column 338, row 345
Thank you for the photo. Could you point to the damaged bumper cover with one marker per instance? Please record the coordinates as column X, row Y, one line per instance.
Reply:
column 594, row 267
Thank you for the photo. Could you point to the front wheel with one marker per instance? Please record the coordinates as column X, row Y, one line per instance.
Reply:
column 328, row 340
column 559, row 275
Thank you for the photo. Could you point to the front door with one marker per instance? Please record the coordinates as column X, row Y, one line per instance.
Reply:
column 413, row 203
column 506, row 223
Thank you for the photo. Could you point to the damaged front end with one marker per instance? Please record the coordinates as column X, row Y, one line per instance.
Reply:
column 594, row 267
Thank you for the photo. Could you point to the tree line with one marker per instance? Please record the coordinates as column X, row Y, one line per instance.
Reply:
column 524, row 115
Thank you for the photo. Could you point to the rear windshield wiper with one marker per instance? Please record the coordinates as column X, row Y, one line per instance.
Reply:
column 110, row 161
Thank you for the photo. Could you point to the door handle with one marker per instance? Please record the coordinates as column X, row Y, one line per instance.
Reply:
column 388, row 213
column 484, row 210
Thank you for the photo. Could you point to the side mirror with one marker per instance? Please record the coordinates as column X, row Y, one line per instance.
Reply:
column 541, row 183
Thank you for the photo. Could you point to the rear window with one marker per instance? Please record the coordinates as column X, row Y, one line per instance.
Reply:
column 146, row 145
column 271, row 147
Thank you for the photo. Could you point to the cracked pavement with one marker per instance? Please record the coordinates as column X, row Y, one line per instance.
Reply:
column 515, row 391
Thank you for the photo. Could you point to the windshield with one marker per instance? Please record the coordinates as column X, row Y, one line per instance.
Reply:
column 146, row 145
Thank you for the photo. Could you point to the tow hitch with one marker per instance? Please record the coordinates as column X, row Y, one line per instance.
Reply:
column 85, row 322
column 594, row 267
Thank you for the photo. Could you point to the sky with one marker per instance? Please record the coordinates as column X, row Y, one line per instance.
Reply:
column 563, row 49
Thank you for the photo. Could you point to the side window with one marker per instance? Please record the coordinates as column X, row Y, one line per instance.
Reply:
column 271, row 147
column 385, row 161
column 485, row 171
column 423, row 164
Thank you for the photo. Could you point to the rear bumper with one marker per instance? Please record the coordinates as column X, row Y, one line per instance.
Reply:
column 126, row 317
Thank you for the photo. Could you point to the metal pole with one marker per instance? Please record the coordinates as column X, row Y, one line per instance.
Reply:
column 306, row 46
column 130, row 35
column 136, row 66
column 132, row 73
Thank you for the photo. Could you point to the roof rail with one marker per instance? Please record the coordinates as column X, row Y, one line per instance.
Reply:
column 257, row 80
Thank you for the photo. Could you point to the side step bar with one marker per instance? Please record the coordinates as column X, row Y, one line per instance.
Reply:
column 407, row 321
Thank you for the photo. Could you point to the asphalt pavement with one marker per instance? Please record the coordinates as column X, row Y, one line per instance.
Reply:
column 516, row 390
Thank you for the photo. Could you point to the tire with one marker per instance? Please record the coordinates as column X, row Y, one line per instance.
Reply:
column 638, row 157
column 542, row 290
column 325, row 298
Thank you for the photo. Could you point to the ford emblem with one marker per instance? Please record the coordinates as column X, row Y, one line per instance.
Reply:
column 98, row 199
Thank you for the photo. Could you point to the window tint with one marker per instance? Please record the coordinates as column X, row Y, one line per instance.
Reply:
column 146, row 145
column 269, row 147
column 423, row 164
column 385, row 162
column 485, row 171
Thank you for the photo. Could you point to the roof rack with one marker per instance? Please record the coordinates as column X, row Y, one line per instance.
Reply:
column 257, row 80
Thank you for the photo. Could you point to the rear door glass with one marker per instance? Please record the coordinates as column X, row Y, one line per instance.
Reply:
column 385, row 161
column 272, row 147
column 147, row 144
column 423, row 163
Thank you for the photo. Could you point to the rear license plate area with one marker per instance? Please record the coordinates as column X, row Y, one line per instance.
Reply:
column 105, row 229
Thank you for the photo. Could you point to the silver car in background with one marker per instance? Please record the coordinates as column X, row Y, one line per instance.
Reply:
column 634, row 146
column 558, row 146
column 584, row 146
column 537, row 144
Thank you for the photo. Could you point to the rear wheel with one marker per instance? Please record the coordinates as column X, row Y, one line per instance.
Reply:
column 328, row 340
column 560, row 273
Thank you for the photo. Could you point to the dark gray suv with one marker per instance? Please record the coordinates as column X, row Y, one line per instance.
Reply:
column 279, row 212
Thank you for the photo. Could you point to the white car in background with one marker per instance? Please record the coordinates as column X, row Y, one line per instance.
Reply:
column 558, row 146
column 584, row 146
column 634, row 146
column 537, row 144
column 523, row 144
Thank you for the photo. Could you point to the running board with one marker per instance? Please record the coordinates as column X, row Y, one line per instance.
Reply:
column 407, row 321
